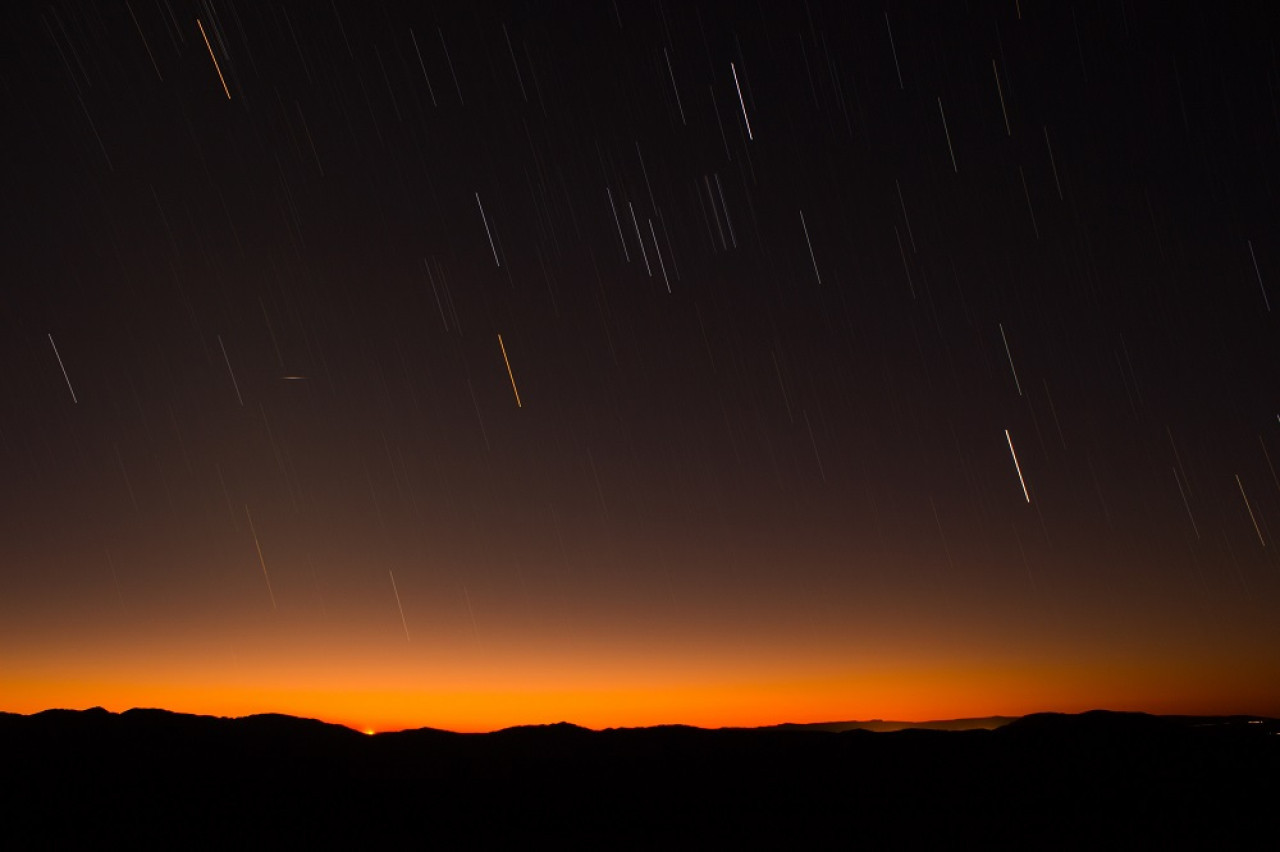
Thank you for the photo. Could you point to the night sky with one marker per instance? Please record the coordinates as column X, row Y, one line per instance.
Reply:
column 476, row 364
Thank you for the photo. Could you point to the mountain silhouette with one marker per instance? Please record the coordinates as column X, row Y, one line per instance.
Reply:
column 1097, row 779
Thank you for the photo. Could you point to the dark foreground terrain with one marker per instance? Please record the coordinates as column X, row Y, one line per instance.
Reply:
column 156, row 779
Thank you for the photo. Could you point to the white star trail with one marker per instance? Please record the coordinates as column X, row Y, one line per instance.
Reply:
column 741, row 102
column 399, row 605
column 261, row 560
column 1017, row 466
column 64, row 369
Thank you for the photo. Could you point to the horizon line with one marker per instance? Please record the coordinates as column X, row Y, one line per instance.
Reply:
column 904, row 723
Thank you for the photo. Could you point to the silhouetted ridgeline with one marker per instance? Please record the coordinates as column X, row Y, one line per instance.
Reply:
column 1044, row 781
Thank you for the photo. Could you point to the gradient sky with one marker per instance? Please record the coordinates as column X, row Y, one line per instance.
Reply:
column 779, row 286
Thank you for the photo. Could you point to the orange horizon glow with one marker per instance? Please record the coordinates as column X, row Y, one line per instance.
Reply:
column 514, row 666
column 383, row 701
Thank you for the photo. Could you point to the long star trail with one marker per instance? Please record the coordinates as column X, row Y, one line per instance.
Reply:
column 674, row 88
column 510, row 374
column 261, row 561
column 658, row 251
column 1266, row 301
column 230, row 371
column 63, row 367
column 216, row 66
column 1009, row 355
column 487, row 232
column 399, row 605
column 644, row 255
column 1017, row 466
column 905, row 218
column 947, row 131
column 1000, row 91
column 809, row 243
column 745, row 119
column 1252, row 518
column 625, row 254
column 1195, row 528
column 894, row 49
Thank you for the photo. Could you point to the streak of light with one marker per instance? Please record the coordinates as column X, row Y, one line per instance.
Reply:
column 261, row 561
column 626, row 254
column 512, row 375
column 1256, row 272
column 716, row 213
column 1009, row 354
column 1053, row 409
column 785, row 398
column 1247, row 505
column 674, row 88
column 902, row 251
column 741, row 102
column 905, row 218
column 893, row 47
column 1270, row 467
column 814, row 443
column 1027, row 194
column 1017, row 466
column 64, row 370
column 671, row 252
column 230, row 371
column 435, row 292
column 733, row 238
column 514, row 64
column 400, row 606
column 144, row 40
column 1052, row 161
column 808, row 242
column 644, row 171
column 216, row 67
column 1185, row 504
column 449, row 60
column 487, row 232
column 475, row 631
column 476, row 404
column 430, row 89
column 311, row 141
column 644, row 254
column 937, row 519
column 715, row 109
column 658, row 250
column 124, row 472
column 293, row 378
column 1177, row 457
column 1000, row 91
column 954, row 167
column 595, row 474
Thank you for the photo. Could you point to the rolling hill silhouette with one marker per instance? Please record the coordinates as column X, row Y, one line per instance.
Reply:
column 152, row 777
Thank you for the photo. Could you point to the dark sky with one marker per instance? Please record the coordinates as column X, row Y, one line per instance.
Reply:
column 477, row 364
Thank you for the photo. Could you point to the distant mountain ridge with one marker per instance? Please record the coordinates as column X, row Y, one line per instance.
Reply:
column 281, row 721
column 1091, row 780
column 969, row 724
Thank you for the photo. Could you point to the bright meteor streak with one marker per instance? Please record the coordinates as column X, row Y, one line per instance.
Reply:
column 507, row 361
column 1017, row 466
column 216, row 67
